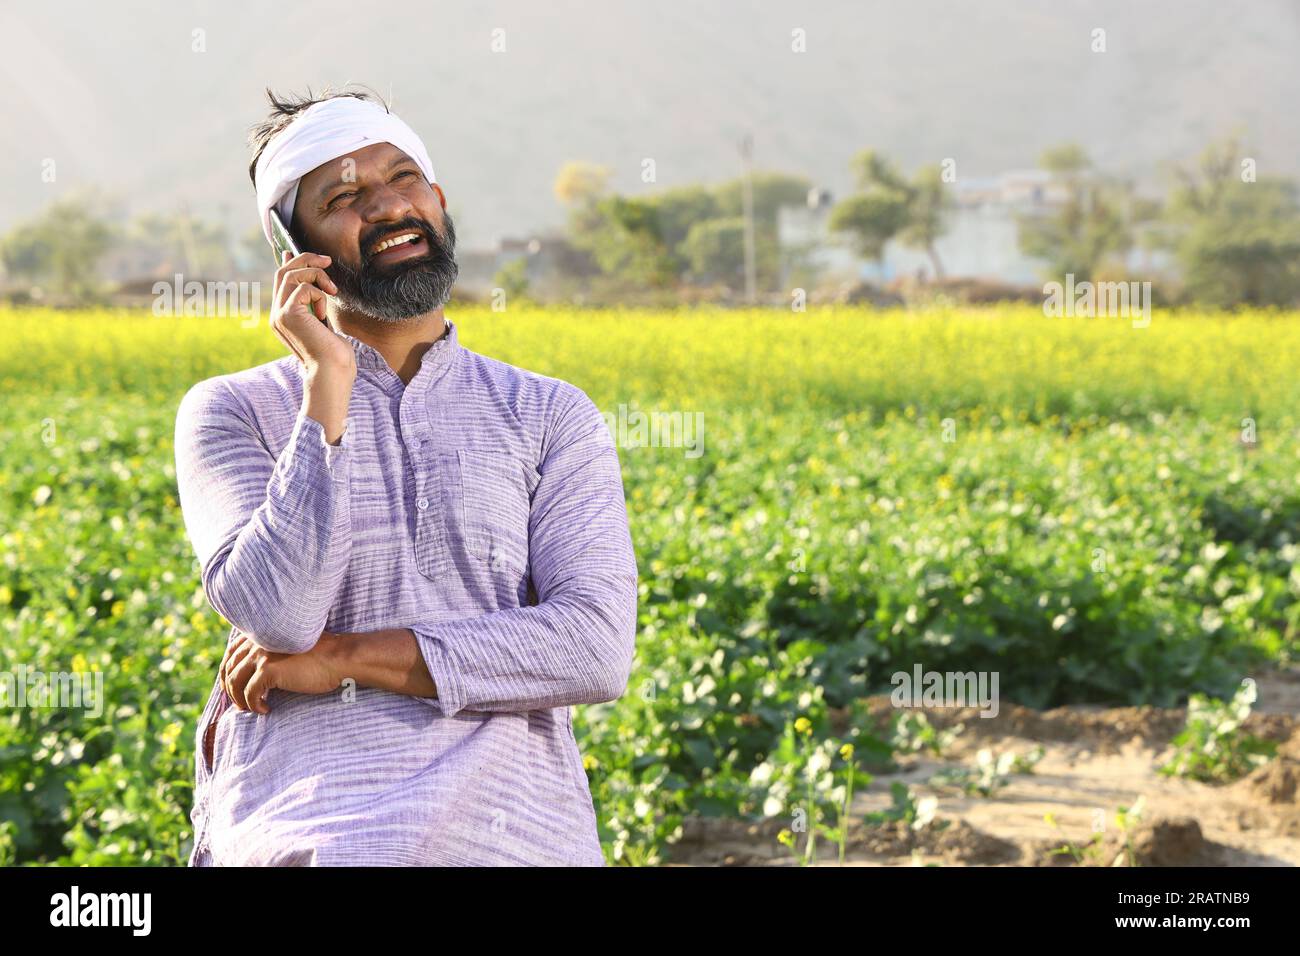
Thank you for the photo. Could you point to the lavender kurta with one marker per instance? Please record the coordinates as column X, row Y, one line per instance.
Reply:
column 445, row 499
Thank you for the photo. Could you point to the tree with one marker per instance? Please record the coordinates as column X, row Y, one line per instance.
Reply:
column 677, row 211
column 654, row 240
column 201, row 248
column 875, row 214
column 1237, row 238
column 927, row 212
column 512, row 280
column 625, row 240
column 581, row 186
column 888, row 206
column 62, row 247
column 621, row 235
column 871, row 219
column 714, row 250
column 579, row 181
column 1094, row 223
column 772, row 190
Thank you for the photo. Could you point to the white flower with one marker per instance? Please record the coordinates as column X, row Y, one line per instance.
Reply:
column 818, row 761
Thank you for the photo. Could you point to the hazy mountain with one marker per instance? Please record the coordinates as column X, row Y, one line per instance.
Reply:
column 115, row 94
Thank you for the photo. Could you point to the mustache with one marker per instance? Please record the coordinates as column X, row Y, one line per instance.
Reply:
column 411, row 286
column 433, row 240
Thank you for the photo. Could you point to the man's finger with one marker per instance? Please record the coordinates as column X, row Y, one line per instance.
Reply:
column 303, row 261
column 305, row 294
column 314, row 299
column 240, row 675
column 232, row 661
column 231, row 646
column 258, row 686
column 306, row 259
column 225, row 657
column 314, row 276
column 293, row 293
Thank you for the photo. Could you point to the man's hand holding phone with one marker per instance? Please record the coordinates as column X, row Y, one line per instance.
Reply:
column 298, row 319
column 298, row 315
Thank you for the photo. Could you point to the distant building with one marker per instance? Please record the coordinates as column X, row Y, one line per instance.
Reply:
column 982, row 236
column 981, row 240
column 551, row 261
column 807, row 245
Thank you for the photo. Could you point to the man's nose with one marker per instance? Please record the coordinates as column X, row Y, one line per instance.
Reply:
column 386, row 204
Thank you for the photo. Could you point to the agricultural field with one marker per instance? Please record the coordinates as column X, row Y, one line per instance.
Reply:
column 1104, row 516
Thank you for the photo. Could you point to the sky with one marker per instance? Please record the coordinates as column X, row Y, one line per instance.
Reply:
column 122, row 99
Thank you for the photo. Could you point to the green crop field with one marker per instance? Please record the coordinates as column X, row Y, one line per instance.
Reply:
column 1097, row 512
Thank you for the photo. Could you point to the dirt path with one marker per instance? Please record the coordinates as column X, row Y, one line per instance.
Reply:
column 1095, row 760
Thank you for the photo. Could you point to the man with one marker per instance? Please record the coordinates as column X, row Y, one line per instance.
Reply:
column 424, row 552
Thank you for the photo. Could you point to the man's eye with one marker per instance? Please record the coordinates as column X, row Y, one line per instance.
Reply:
column 333, row 201
column 405, row 172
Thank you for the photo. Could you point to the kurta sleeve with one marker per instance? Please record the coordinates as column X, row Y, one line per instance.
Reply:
column 575, row 646
column 272, row 534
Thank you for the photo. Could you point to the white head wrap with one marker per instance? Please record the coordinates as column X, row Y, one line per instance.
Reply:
column 324, row 131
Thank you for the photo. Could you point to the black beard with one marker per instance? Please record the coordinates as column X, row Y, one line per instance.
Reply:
column 408, row 288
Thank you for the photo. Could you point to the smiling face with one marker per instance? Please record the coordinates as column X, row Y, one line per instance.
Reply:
column 386, row 229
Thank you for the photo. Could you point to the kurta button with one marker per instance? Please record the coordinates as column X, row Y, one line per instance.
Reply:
column 422, row 503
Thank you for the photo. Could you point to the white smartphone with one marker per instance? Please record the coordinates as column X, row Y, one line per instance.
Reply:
column 281, row 241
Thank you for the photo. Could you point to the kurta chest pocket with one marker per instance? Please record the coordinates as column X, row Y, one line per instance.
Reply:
column 437, row 512
column 496, row 494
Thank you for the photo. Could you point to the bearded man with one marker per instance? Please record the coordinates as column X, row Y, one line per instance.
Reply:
column 423, row 552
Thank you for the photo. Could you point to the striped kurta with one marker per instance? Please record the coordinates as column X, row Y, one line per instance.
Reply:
column 479, row 505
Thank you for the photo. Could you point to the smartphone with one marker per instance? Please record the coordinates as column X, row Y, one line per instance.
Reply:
column 281, row 241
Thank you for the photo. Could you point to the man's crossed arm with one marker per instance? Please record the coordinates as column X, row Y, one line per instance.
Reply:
column 389, row 660
column 574, row 646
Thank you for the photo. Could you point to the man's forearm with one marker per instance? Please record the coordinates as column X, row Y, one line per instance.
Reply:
column 272, row 533
column 389, row 660
column 326, row 395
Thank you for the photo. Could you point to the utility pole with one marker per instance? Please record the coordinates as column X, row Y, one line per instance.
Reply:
column 746, row 158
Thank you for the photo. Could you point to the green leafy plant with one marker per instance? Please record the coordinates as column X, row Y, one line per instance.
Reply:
column 1214, row 747
column 913, row 732
column 822, row 797
column 1127, row 819
column 1080, row 853
column 991, row 772
column 917, row 814
column 8, row 854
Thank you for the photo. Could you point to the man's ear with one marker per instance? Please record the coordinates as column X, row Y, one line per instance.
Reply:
column 441, row 195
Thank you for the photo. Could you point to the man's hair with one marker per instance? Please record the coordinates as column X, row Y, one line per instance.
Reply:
column 283, row 111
